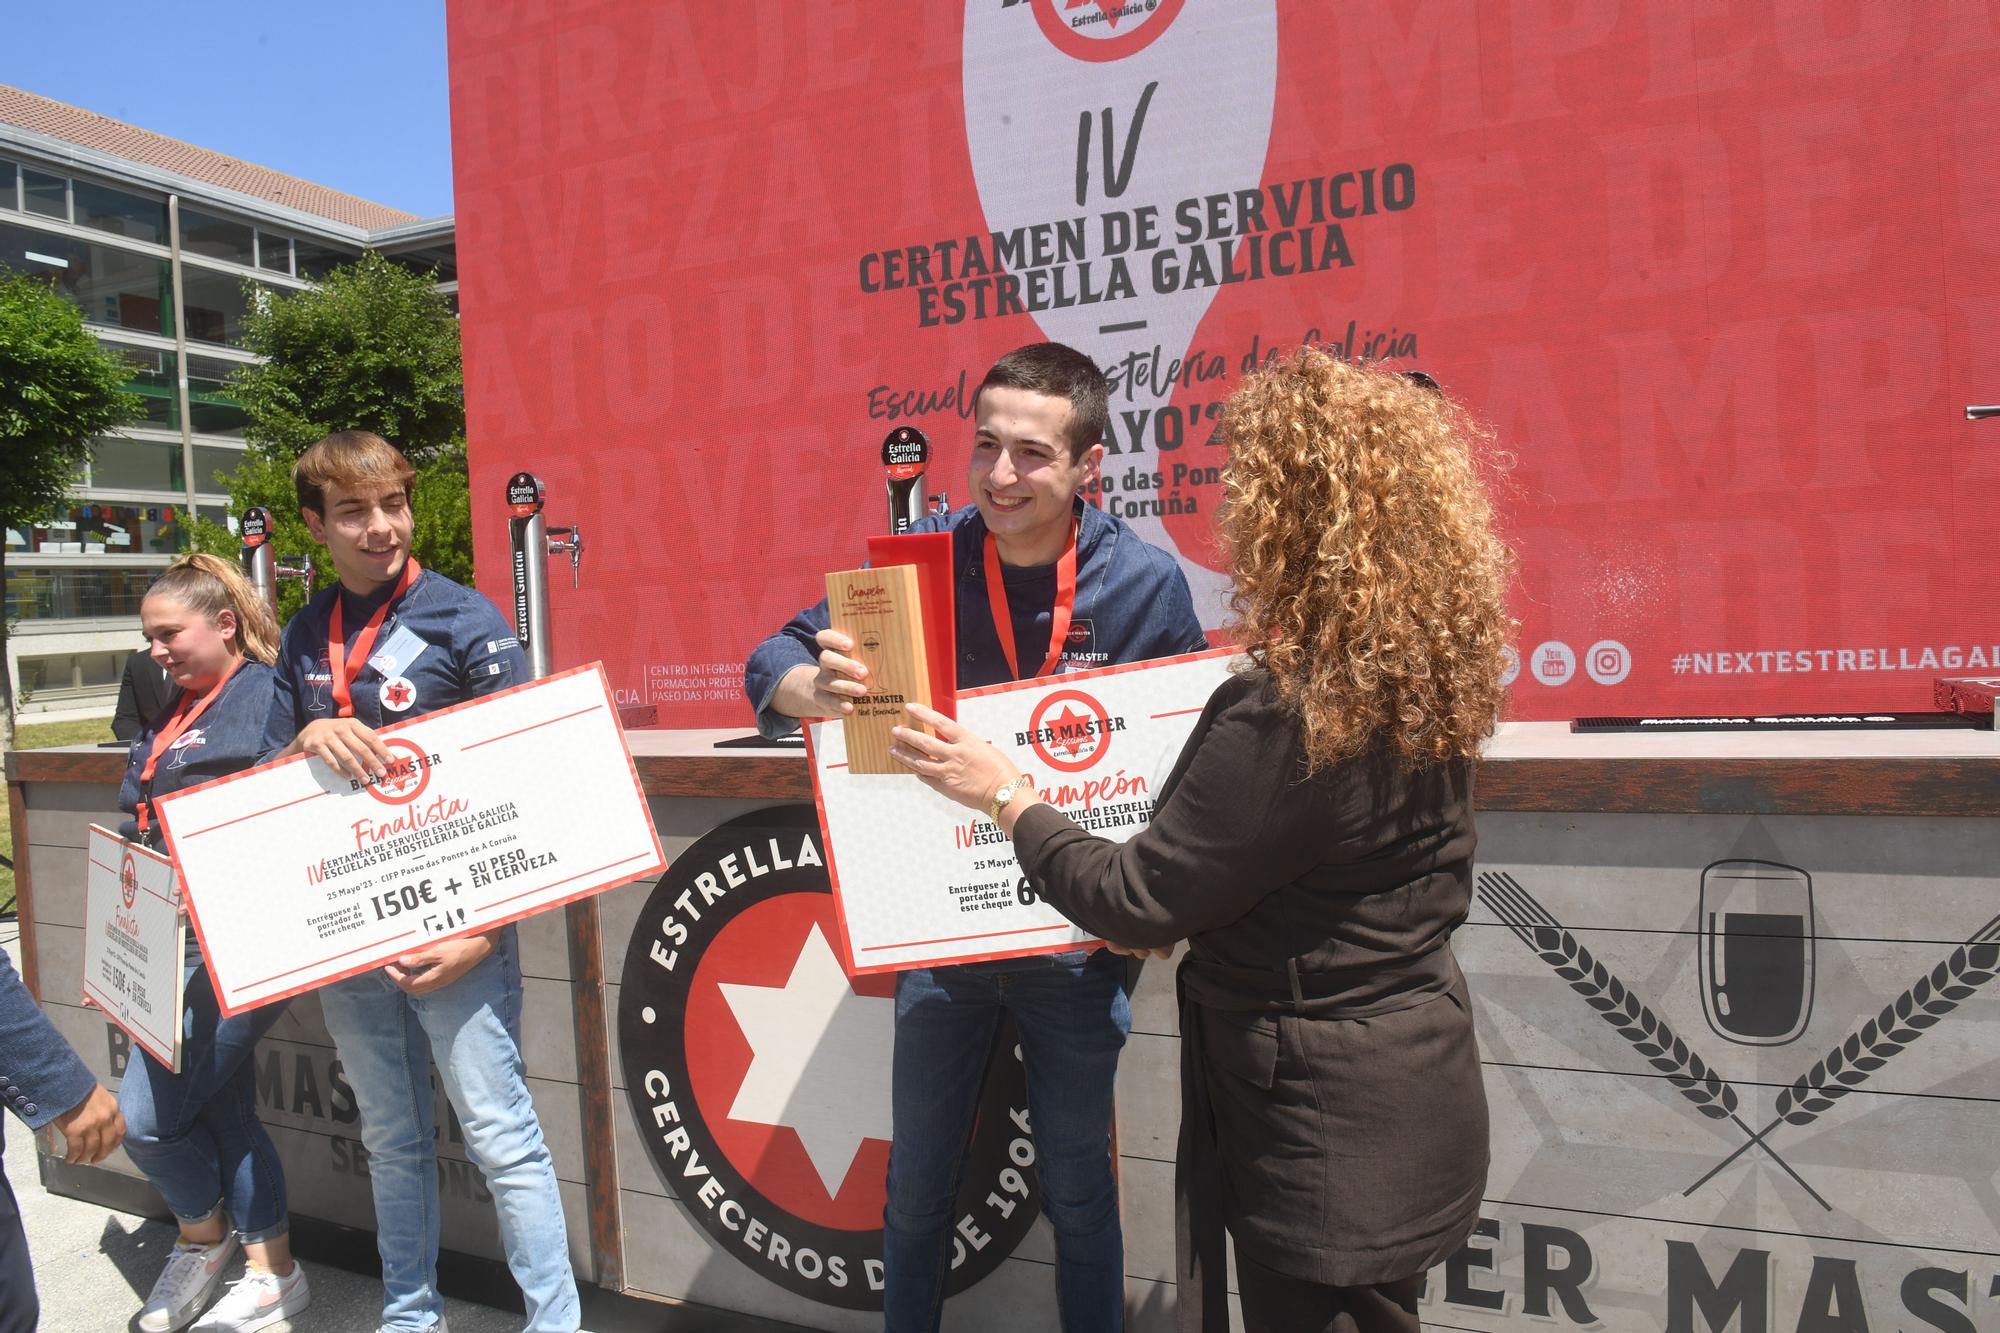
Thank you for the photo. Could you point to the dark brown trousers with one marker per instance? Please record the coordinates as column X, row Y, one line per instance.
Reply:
column 1276, row 1303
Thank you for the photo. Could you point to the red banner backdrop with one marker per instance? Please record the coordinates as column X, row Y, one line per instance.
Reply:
column 1721, row 277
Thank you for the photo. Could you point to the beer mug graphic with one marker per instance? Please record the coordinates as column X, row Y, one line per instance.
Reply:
column 1756, row 946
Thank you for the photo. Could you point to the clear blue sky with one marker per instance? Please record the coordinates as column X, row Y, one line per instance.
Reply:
column 351, row 95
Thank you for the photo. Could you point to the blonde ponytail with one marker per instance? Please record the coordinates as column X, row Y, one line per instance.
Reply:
column 210, row 585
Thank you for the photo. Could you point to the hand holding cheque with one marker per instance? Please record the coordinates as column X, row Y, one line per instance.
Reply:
column 463, row 831
column 358, row 753
column 974, row 772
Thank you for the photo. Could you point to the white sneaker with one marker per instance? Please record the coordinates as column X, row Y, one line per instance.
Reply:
column 257, row 1300
column 192, row 1274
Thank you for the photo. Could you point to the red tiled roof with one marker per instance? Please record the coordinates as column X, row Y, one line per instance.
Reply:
column 75, row 125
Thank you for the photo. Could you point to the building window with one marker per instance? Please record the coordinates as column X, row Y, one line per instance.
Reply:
column 155, row 465
column 45, row 194
column 217, row 238
column 273, row 252
column 214, row 304
column 111, row 286
column 120, row 213
column 439, row 263
column 316, row 261
column 113, row 531
column 212, row 409
column 213, row 467
column 135, row 465
column 10, row 190
column 35, row 593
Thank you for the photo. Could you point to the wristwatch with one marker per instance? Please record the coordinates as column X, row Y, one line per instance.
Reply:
column 1008, row 791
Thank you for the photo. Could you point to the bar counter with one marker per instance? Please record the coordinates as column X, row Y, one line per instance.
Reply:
column 1693, row 1119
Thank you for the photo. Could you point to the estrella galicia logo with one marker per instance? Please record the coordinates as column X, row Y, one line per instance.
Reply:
column 1776, row 1010
column 1101, row 30
column 759, row 1072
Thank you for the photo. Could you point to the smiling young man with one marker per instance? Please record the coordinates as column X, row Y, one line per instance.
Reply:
column 389, row 642
column 1044, row 583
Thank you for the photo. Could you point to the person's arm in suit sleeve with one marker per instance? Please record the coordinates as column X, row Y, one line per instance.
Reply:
column 126, row 722
column 1187, row 630
column 490, row 657
column 796, row 645
column 281, row 725
column 45, row 1082
column 1238, row 825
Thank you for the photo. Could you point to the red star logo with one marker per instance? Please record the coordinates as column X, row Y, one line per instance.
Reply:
column 397, row 693
column 1072, row 731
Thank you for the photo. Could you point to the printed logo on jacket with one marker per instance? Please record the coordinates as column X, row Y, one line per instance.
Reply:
column 759, row 1073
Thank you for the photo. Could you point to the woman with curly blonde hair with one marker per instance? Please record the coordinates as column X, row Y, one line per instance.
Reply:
column 1314, row 847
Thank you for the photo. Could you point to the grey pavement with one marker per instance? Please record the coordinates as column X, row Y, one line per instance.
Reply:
column 94, row 1265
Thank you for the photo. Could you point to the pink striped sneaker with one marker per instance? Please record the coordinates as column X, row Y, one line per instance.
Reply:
column 257, row 1300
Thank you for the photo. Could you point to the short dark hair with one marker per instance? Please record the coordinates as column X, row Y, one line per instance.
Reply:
column 1059, row 372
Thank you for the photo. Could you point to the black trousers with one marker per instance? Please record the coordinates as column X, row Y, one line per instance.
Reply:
column 19, row 1308
column 1274, row 1302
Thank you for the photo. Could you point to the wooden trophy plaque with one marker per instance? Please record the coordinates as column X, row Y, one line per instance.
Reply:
column 881, row 609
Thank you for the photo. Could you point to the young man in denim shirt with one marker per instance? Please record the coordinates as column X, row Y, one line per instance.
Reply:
column 1040, row 417
column 411, row 641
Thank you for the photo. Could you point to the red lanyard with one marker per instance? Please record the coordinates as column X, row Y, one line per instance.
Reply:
column 364, row 642
column 1003, row 617
column 176, row 727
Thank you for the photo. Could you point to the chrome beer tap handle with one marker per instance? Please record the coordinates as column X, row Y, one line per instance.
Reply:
column 300, row 569
column 569, row 541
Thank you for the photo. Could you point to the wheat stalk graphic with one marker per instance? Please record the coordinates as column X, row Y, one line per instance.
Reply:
column 1616, row 1004
column 1903, row 1020
column 1883, row 1037
column 1648, row 1033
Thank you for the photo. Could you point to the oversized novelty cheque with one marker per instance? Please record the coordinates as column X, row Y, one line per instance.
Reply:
column 133, row 935
column 921, row 881
column 493, row 810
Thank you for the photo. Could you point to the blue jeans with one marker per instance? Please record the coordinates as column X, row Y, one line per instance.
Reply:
column 1072, row 1016
column 472, row 1028
column 196, row 1134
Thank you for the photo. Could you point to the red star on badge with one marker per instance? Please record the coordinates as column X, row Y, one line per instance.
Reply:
column 397, row 693
column 1072, row 731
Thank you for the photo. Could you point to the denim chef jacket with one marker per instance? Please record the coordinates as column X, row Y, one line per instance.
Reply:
column 442, row 645
column 1132, row 605
column 227, row 738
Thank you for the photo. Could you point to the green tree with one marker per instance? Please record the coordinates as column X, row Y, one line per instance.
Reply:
column 374, row 347
column 59, row 389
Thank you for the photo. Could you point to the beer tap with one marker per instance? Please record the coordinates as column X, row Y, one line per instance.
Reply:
column 569, row 541
column 534, row 541
column 260, row 565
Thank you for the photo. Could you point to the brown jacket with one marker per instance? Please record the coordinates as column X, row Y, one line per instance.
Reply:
column 1331, row 1084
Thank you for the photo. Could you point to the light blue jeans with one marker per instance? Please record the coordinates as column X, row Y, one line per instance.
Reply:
column 196, row 1134
column 387, row 1039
